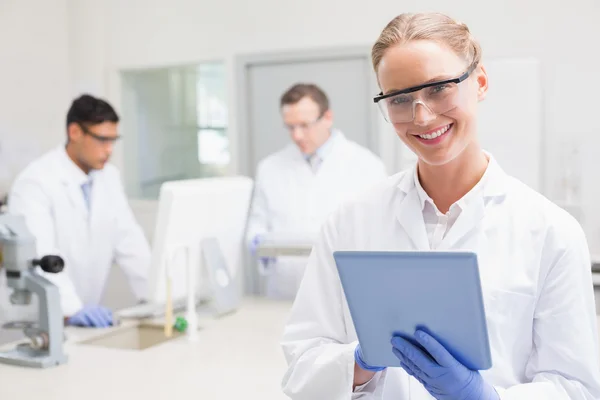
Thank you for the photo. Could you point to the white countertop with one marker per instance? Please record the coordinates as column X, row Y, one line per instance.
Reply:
column 236, row 357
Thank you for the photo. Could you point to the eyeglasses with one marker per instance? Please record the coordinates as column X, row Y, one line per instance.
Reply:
column 437, row 97
column 99, row 138
column 305, row 125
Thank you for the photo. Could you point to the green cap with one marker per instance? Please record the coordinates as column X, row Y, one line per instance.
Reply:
column 180, row 324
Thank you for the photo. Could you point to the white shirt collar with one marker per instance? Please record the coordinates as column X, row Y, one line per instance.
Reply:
column 325, row 149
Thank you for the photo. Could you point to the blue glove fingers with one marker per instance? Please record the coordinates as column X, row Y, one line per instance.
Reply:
column 405, row 366
column 85, row 320
column 75, row 320
column 408, row 369
column 421, row 360
column 92, row 317
column 108, row 315
column 413, row 370
column 102, row 316
column 80, row 319
column 435, row 348
column 411, row 373
column 95, row 317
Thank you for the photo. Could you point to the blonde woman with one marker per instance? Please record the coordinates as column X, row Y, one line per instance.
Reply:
column 533, row 256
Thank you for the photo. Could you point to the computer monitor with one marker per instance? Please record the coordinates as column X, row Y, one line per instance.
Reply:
column 192, row 212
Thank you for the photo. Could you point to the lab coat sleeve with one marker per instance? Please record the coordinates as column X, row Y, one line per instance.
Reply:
column 29, row 198
column 565, row 361
column 258, row 218
column 320, row 359
column 132, row 251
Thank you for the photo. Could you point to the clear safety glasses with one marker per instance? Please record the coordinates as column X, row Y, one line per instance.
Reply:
column 437, row 97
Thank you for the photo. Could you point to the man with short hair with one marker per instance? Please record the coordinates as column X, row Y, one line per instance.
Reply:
column 299, row 186
column 75, row 206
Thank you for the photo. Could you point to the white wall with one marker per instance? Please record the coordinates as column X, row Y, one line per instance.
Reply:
column 105, row 37
column 87, row 41
column 144, row 33
column 34, row 81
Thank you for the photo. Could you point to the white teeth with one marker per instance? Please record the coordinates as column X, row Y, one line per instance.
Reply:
column 435, row 134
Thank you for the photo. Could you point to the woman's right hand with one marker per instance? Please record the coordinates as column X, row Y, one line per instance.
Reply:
column 363, row 372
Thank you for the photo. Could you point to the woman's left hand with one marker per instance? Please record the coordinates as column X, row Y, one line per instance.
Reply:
column 444, row 377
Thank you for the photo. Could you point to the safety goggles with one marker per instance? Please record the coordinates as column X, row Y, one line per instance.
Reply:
column 99, row 138
column 437, row 97
column 305, row 126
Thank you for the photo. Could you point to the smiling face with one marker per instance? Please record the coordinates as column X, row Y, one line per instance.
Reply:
column 445, row 117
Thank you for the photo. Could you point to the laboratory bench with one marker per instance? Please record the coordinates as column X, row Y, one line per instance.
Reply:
column 237, row 356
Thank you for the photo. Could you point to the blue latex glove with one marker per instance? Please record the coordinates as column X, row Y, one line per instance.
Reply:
column 254, row 246
column 444, row 377
column 92, row 316
column 358, row 357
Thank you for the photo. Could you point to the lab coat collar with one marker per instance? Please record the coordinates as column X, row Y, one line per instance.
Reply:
column 493, row 182
column 327, row 149
column 468, row 198
column 496, row 183
column 410, row 208
column 73, row 178
column 71, row 173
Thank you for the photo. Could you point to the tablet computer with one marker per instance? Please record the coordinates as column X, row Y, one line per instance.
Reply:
column 392, row 293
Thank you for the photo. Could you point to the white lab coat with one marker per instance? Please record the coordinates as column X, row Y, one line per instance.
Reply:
column 48, row 193
column 289, row 198
column 536, row 281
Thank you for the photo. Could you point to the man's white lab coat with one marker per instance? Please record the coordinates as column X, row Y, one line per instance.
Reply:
column 290, row 199
column 49, row 194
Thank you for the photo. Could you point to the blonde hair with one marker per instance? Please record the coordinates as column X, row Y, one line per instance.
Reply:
column 427, row 26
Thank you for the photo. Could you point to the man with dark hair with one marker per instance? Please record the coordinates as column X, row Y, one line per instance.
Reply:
column 91, row 132
column 300, row 185
column 75, row 205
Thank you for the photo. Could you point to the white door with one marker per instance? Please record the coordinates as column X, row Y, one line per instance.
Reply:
column 346, row 78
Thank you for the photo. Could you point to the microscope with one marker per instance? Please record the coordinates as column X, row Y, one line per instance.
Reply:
column 18, row 259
